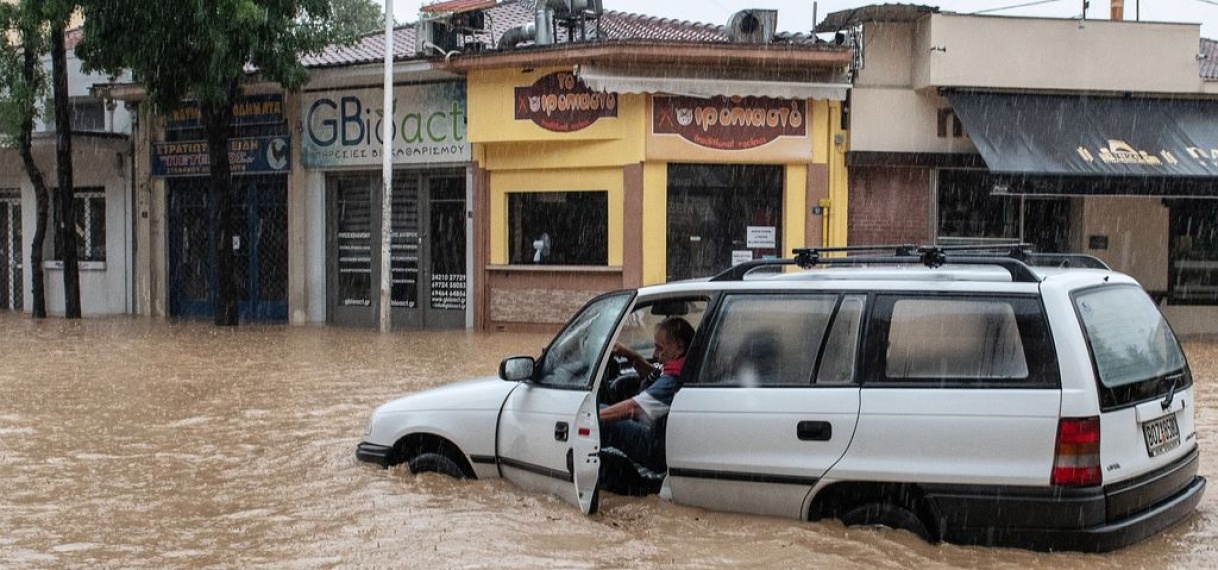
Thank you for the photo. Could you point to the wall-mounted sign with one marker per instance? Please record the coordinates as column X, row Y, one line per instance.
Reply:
column 729, row 123
column 346, row 128
column 252, row 155
column 561, row 103
column 251, row 110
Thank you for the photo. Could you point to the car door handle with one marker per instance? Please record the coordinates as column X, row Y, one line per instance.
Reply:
column 561, row 430
column 814, row 431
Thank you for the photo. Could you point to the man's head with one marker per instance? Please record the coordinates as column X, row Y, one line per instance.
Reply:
column 672, row 339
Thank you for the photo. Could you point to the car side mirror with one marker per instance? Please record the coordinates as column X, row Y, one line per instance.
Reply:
column 517, row 368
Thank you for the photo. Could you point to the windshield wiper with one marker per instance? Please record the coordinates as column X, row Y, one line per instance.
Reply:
column 1171, row 391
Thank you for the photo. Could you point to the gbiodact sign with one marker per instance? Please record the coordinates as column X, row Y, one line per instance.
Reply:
column 344, row 128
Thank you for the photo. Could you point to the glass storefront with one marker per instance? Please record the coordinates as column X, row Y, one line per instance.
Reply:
column 426, row 260
column 972, row 211
column 1193, row 274
column 720, row 215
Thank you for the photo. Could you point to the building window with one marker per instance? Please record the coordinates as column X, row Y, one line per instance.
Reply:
column 558, row 228
column 90, row 225
column 88, row 115
column 1194, row 251
column 973, row 209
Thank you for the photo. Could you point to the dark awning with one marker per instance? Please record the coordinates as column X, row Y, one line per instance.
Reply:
column 1064, row 135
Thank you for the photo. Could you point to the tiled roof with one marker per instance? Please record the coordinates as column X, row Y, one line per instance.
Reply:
column 1209, row 61
column 613, row 25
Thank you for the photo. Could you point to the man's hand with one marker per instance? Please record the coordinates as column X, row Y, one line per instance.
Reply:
column 625, row 409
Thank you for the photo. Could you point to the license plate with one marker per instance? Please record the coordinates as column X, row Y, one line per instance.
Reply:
column 1162, row 435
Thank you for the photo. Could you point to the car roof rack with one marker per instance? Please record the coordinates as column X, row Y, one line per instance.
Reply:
column 1015, row 257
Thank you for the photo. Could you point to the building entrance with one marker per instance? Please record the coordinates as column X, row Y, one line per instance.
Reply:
column 11, row 278
column 720, row 215
column 260, row 261
column 427, row 249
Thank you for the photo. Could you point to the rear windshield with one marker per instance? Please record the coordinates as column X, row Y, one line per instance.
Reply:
column 1131, row 343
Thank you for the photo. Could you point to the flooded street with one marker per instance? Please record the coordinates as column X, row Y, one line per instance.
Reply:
column 131, row 443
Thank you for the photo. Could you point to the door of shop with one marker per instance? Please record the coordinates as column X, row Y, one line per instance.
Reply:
column 260, row 260
column 427, row 249
column 11, row 278
column 720, row 215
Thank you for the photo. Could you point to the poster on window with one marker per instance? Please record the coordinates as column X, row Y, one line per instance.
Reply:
column 761, row 237
column 448, row 291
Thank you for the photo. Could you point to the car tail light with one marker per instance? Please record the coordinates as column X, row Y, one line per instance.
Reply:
column 1076, row 462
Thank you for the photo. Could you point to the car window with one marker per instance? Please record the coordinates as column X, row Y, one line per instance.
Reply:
column 1130, row 340
column 767, row 339
column 838, row 359
column 575, row 354
column 957, row 339
column 962, row 341
column 638, row 328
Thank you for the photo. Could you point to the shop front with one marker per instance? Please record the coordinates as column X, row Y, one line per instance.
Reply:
column 594, row 179
column 260, row 158
column 428, row 225
column 1135, row 178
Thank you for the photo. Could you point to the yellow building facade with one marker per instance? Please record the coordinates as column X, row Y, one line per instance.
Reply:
column 582, row 191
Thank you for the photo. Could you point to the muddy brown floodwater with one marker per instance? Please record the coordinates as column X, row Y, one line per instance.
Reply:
column 133, row 443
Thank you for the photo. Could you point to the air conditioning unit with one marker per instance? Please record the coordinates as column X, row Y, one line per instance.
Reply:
column 435, row 32
column 752, row 26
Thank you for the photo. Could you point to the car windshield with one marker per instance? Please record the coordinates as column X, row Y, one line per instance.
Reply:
column 575, row 353
column 1130, row 340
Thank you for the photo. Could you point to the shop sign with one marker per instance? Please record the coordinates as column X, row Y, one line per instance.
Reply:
column 347, row 128
column 250, row 155
column 729, row 123
column 561, row 103
column 251, row 110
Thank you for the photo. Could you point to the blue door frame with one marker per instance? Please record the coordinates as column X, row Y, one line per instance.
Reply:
column 261, row 257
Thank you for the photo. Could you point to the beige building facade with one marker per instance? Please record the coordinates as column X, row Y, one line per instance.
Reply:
column 1073, row 135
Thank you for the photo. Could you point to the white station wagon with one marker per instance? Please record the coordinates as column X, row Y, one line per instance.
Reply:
column 974, row 398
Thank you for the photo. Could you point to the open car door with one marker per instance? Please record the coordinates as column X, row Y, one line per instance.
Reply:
column 549, row 436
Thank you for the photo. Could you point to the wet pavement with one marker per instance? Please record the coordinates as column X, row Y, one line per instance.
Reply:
column 134, row 443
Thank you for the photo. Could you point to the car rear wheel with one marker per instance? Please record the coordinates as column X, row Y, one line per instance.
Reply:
column 886, row 514
column 434, row 462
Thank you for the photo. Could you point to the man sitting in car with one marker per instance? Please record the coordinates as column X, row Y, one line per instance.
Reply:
column 635, row 426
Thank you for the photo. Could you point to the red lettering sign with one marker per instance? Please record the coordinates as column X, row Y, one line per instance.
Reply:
column 559, row 102
column 729, row 123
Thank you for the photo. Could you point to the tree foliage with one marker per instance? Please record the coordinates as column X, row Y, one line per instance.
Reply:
column 198, row 49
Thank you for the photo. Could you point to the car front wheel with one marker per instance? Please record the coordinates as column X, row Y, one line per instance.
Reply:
column 433, row 462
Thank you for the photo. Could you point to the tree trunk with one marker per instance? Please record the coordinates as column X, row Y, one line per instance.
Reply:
column 216, row 120
column 63, row 158
column 30, row 59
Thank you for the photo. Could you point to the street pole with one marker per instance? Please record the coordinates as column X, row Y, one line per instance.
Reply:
column 387, row 175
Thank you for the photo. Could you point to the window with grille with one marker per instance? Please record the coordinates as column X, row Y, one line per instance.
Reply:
column 90, row 226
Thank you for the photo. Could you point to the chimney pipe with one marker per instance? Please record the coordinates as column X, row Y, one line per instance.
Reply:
column 543, row 18
column 1118, row 10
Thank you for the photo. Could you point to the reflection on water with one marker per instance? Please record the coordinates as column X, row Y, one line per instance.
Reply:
column 131, row 443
